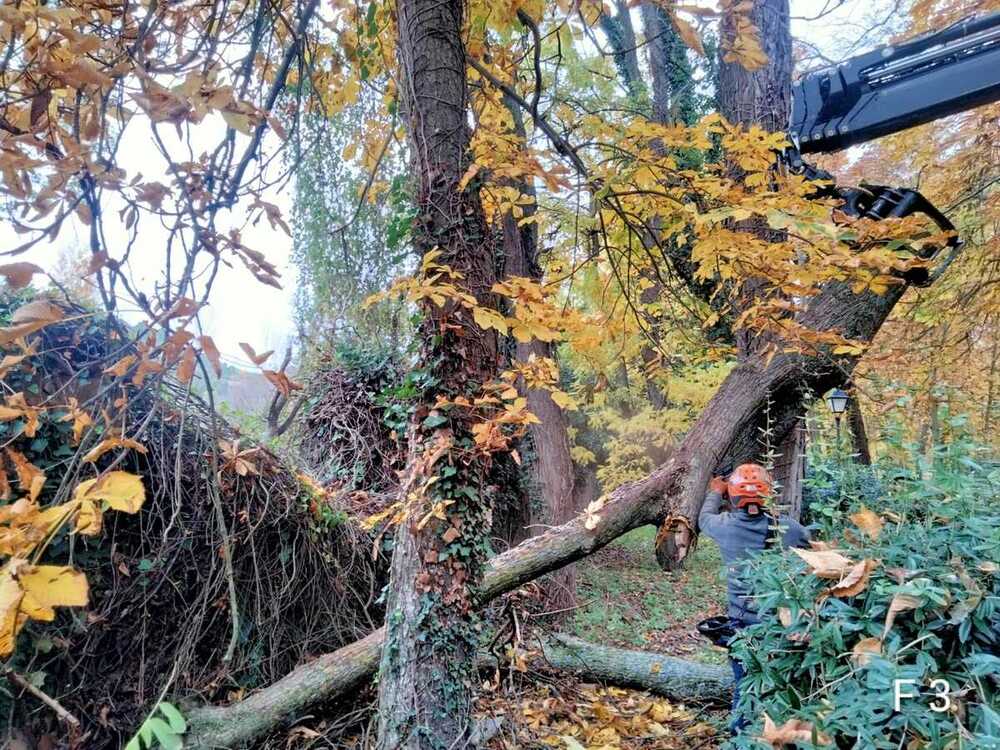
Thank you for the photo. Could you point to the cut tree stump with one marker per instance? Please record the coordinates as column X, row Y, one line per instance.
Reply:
column 668, row 676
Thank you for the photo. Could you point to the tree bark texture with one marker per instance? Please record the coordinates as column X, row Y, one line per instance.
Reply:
column 675, row 490
column 789, row 470
column 550, row 462
column 764, row 96
column 427, row 666
column 859, row 434
column 664, row 675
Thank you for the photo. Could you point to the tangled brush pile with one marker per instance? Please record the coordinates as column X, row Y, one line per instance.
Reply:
column 168, row 613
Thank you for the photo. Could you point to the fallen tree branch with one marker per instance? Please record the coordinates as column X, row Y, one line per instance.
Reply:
column 725, row 432
column 665, row 675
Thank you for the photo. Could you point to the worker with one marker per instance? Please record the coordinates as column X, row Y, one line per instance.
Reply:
column 741, row 533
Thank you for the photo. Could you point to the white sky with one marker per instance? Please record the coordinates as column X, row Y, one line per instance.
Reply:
column 243, row 309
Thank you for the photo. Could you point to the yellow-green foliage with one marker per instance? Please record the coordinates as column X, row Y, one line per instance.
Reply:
column 641, row 435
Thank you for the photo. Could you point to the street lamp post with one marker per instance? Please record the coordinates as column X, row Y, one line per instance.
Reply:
column 837, row 400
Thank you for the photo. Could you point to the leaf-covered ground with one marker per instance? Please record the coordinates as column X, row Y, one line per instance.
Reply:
column 582, row 716
column 626, row 600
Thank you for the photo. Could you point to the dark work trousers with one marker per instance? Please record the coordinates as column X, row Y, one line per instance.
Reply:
column 736, row 722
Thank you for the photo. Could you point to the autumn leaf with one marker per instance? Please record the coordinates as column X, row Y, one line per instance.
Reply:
column 109, row 444
column 185, row 370
column 257, row 359
column 864, row 650
column 34, row 591
column 19, row 275
column 688, row 34
column 282, row 382
column 29, row 318
column 855, row 581
column 899, row 603
column 791, row 732
column 211, row 351
column 825, row 563
column 29, row 477
column 868, row 522
column 119, row 489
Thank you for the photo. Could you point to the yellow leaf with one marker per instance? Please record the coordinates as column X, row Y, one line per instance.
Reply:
column 89, row 519
column 49, row 586
column 471, row 172
column 486, row 318
column 119, row 489
column 34, row 591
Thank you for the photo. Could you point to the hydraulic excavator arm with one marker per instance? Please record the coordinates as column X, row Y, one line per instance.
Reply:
column 888, row 90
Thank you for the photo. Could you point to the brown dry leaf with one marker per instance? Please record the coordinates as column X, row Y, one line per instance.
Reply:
column 864, row 649
column 18, row 408
column 119, row 368
column 688, row 34
column 792, row 731
column 900, row 603
column 825, row 563
column 211, row 351
column 282, row 382
column 868, row 521
column 185, row 370
column 257, row 359
column 110, row 443
column 855, row 581
column 9, row 361
column 29, row 318
column 19, row 275
column 29, row 477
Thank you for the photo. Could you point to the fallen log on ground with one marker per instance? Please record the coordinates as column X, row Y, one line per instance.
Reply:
column 679, row 679
column 758, row 389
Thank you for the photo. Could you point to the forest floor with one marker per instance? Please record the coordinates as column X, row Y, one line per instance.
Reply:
column 624, row 600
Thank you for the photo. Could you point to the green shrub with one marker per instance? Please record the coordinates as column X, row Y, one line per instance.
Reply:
column 938, row 555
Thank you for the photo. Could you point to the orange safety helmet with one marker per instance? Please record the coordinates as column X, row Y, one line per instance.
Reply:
column 749, row 484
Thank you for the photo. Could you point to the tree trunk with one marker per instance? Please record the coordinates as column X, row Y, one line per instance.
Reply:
column 550, row 463
column 760, row 97
column 859, row 435
column 427, row 667
column 789, row 470
column 665, row 675
column 675, row 490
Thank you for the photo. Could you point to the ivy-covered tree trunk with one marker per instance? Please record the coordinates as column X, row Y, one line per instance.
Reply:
column 428, row 659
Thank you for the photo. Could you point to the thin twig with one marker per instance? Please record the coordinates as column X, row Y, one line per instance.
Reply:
column 45, row 698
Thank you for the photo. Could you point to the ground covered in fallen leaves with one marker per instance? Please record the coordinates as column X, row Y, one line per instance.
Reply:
column 582, row 716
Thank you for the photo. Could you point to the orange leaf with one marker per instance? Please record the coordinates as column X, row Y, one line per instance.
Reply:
column 257, row 359
column 19, row 275
column 210, row 350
